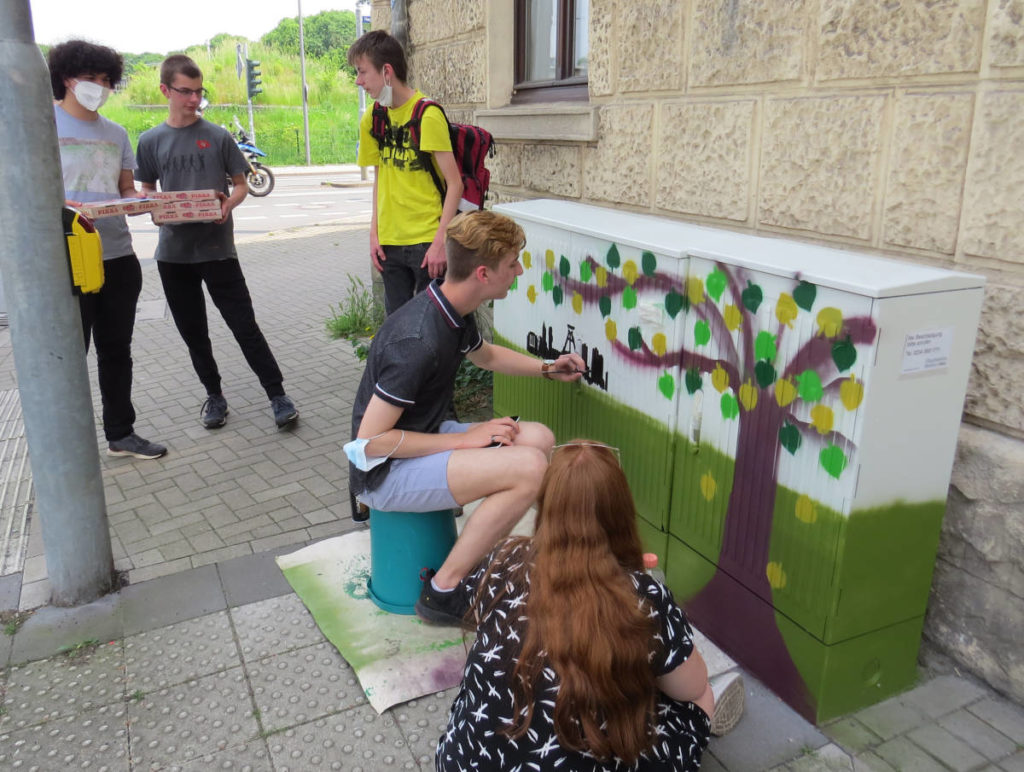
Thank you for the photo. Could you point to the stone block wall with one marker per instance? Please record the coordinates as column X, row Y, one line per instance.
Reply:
column 892, row 127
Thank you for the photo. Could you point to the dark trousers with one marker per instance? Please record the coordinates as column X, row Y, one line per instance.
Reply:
column 183, row 288
column 108, row 318
column 402, row 275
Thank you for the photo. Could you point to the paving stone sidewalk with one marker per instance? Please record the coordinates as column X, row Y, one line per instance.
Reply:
column 207, row 660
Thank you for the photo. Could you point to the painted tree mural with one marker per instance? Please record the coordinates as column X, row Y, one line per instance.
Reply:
column 777, row 370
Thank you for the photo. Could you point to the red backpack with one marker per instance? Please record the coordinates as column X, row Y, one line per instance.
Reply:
column 470, row 146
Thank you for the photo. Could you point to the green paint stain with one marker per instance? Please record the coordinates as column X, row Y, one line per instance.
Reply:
column 693, row 380
column 752, row 297
column 844, row 354
column 730, row 406
column 634, row 338
column 604, row 303
column 833, row 460
column 515, row 284
column 765, row 374
column 629, row 298
column 613, row 259
column 673, row 303
column 556, row 295
column 701, row 332
column 790, row 438
column 667, row 385
column 563, row 266
column 648, row 263
column 585, row 271
column 804, row 295
column 809, row 386
column 547, row 282
column 715, row 284
column 764, row 346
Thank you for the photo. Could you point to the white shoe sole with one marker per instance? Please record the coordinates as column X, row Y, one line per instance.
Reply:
column 730, row 699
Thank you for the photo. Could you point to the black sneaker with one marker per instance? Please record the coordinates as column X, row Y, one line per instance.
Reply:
column 134, row 445
column 284, row 410
column 215, row 411
column 441, row 608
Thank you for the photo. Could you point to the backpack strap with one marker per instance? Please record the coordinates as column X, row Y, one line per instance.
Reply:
column 426, row 159
column 380, row 124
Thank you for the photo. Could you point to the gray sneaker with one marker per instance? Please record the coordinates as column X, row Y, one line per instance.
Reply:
column 134, row 445
column 215, row 412
column 284, row 410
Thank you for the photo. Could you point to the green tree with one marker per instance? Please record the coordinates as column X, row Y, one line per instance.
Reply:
column 327, row 36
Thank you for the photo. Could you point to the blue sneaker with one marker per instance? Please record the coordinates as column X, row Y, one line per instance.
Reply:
column 215, row 412
column 284, row 410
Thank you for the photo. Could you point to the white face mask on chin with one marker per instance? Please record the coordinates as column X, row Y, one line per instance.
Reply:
column 91, row 96
column 386, row 98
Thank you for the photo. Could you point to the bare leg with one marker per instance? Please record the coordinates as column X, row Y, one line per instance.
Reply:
column 509, row 478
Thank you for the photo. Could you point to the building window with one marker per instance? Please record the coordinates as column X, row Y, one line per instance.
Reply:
column 552, row 48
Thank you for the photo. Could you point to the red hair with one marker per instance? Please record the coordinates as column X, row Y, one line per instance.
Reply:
column 584, row 617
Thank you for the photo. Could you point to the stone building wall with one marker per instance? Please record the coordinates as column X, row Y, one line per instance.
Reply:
column 890, row 127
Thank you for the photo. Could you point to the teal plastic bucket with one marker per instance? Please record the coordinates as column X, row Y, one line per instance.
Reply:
column 402, row 546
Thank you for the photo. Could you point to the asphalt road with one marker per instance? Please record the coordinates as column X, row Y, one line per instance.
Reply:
column 295, row 201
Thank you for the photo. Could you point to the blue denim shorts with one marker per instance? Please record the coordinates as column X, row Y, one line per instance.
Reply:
column 416, row 484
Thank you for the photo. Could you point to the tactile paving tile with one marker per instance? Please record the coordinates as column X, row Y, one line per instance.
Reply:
column 180, row 723
column 274, row 626
column 423, row 721
column 180, row 652
column 251, row 757
column 63, row 685
column 301, row 685
column 357, row 740
column 91, row 739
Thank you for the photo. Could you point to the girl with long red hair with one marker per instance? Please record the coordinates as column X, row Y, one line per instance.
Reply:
column 581, row 660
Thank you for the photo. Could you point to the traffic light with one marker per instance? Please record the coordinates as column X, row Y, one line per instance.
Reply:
column 252, row 77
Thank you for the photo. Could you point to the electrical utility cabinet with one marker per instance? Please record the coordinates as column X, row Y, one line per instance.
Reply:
column 787, row 416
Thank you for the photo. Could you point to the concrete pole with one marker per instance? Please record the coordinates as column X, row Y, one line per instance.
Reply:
column 46, row 329
column 305, row 95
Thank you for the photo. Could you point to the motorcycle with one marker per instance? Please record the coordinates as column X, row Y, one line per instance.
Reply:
column 259, row 178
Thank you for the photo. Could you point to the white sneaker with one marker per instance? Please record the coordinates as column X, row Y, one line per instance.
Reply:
column 730, row 697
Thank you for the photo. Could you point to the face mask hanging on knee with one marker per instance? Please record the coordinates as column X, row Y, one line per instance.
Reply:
column 356, row 452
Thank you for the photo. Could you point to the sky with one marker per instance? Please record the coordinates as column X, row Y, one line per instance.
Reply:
column 131, row 26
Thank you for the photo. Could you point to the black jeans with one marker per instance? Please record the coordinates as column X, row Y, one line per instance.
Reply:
column 108, row 317
column 183, row 288
column 402, row 275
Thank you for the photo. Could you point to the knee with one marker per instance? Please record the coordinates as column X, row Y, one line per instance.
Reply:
column 531, row 466
column 538, row 436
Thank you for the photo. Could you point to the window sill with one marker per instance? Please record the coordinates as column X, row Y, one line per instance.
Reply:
column 562, row 121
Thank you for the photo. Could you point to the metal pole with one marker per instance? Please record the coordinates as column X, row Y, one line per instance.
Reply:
column 302, row 69
column 252, row 128
column 46, row 328
column 362, row 92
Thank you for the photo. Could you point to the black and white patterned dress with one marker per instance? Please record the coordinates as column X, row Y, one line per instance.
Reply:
column 483, row 706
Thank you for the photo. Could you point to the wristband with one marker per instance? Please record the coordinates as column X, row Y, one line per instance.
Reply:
column 545, row 368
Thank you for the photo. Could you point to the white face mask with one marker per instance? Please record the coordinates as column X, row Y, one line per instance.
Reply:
column 91, row 96
column 386, row 98
column 356, row 452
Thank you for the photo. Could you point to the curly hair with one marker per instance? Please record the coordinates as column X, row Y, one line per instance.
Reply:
column 584, row 618
column 79, row 57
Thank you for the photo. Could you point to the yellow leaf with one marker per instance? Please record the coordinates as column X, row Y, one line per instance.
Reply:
column 733, row 317
column 748, row 396
column 851, row 393
column 830, row 321
column 708, row 486
column 531, row 294
column 577, row 302
column 610, row 330
column 786, row 310
column 549, row 260
column 527, row 259
column 776, row 576
column 629, row 272
column 806, row 512
column 601, row 276
column 658, row 344
column 785, row 391
column 695, row 290
column 719, row 378
column 822, row 418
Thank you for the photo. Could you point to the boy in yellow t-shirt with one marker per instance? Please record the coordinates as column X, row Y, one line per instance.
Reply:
column 409, row 219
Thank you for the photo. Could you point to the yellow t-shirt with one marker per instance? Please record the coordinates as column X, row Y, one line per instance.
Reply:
column 408, row 203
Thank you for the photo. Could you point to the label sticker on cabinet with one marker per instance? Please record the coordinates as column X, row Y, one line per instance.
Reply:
column 926, row 350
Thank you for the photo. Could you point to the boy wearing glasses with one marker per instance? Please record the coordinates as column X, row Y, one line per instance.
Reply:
column 97, row 162
column 189, row 153
column 405, row 455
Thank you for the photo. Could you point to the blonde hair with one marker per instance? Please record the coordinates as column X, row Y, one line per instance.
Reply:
column 480, row 238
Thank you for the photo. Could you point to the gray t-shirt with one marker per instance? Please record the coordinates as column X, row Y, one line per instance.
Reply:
column 92, row 156
column 197, row 157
